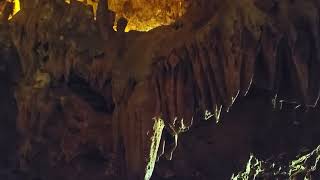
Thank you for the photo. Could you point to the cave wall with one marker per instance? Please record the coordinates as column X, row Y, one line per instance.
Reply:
column 128, row 97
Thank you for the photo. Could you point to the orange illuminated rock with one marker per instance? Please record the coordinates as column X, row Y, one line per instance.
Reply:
column 152, row 84
column 15, row 8
column 142, row 15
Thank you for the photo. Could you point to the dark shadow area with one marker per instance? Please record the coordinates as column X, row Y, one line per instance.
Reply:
column 216, row 151
column 8, row 114
column 82, row 88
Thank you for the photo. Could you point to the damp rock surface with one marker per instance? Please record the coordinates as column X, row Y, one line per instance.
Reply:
column 305, row 166
column 86, row 94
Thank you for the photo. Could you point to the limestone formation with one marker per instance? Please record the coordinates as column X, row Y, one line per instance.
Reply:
column 133, row 94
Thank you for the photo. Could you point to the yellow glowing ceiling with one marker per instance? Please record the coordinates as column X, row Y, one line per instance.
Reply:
column 16, row 7
column 142, row 15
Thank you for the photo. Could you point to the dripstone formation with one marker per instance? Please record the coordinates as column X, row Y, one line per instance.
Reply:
column 82, row 88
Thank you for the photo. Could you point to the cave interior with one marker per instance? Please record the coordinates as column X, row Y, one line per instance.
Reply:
column 159, row 89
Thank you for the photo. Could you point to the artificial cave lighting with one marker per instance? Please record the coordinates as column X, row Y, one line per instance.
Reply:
column 142, row 15
column 15, row 9
column 227, row 90
column 16, row 6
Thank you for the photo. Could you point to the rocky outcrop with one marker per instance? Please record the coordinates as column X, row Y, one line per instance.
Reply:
column 132, row 94
column 304, row 167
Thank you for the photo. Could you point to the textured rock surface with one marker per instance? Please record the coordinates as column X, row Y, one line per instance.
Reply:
column 144, row 15
column 304, row 167
column 128, row 97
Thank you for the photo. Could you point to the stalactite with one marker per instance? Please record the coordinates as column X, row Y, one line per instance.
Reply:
column 151, row 85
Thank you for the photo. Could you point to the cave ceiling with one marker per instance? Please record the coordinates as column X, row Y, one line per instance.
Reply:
column 142, row 15
column 130, row 78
